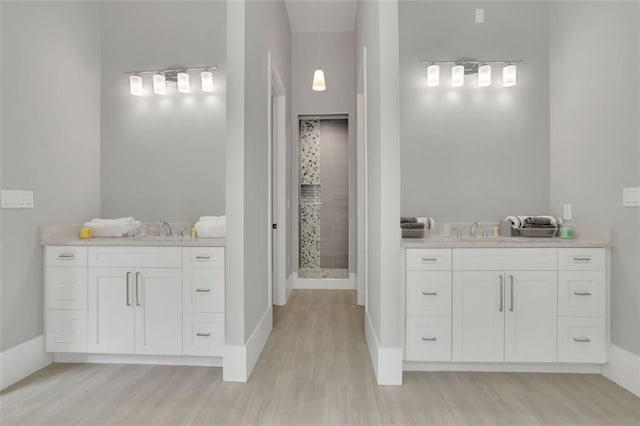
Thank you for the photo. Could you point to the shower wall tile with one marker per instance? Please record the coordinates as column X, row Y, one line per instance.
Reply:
column 309, row 212
column 310, row 236
column 310, row 152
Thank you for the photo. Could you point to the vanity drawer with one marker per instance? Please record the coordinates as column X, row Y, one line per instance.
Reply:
column 203, row 257
column 428, row 339
column 591, row 259
column 581, row 293
column 66, row 256
column 66, row 331
column 203, row 290
column 428, row 259
column 66, row 288
column 203, row 334
column 581, row 340
column 136, row 257
column 429, row 293
column 489, row 259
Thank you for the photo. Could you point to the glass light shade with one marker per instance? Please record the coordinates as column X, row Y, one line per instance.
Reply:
column 509, row 76
column 457, row 76
column 206, row 80
column 319, row 84
column 159, row 84
column 484, row 75
column 433, row 75
column 135, row 85
column 183, row 82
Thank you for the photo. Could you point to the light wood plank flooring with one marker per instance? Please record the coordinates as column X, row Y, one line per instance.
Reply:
column 315, row 370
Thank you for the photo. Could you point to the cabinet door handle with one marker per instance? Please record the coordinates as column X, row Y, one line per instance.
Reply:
column 203, row 290
column 429, row 339
column 582, row 293
column 137, row 288
column 582, row 259
column 66, row 256
column 511, row 295
column 429, row 259
column 203, row 334
column 501, row 294
column 203, row 257
column 581, row 340
column 429, row 293
column 128, row 292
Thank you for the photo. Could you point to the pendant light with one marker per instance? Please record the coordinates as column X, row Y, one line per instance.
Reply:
column 318, row 84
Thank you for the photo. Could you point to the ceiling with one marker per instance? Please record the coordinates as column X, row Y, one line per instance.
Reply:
column 321, row 15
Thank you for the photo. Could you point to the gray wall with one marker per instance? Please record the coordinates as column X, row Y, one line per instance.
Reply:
column 470, row 153
column 595, row 139
column 50, row 142
column 163, row 157
column 267, row 30
column 334, row 53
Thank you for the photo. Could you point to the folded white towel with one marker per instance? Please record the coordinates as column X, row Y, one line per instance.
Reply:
column 209, row 218
column 129, row 220
column 123, row 227
column 211, row 228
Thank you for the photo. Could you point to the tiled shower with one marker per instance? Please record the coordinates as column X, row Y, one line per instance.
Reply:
column 324, row 198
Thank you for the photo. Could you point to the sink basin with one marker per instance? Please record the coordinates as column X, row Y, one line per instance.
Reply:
column 159, row 238
column 492, row 239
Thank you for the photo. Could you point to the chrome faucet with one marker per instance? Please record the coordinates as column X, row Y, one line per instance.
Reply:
column 167, row 227
column 472, row 230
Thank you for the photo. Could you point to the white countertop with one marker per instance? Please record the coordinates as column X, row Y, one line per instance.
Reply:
column 502, row 242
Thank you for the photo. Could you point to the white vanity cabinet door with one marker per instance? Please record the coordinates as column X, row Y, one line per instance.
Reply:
column 111, row 310
column 158, row 307
column 478, row 316
column 531, row 316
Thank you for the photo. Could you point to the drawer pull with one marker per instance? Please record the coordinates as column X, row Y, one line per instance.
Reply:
column 429, row 293
column 581, row 340
column 582, row 259
column 66, row 256
column 203, row 257
column 501, row 309
column 203, row 334
column 429, row 339
column 582, row 293
column 429, row 259
column 203, row 290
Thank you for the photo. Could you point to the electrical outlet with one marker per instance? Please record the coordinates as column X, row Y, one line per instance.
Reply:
column 567, row 212
column 12, row 199
column 631, row 197
column 480, row 16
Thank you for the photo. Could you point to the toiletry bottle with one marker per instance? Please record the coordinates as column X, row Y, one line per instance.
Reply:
column 194, row 233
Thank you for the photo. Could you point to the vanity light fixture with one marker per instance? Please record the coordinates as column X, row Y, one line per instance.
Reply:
column 180, row 76
column 462, row 67
column 318, row 84
column 183, row 82
column 433, row 75
column 135, row 85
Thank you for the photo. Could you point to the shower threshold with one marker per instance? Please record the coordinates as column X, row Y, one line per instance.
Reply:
column 332, row 273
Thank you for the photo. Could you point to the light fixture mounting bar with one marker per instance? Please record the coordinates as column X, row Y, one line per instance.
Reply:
column 173, row 70
column 467, row 61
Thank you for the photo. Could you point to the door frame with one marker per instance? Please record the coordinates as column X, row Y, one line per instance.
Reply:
column 361, row 174
column 277, row 151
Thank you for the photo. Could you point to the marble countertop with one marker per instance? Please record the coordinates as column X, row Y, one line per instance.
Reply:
column 502, row 242
column 67, row 235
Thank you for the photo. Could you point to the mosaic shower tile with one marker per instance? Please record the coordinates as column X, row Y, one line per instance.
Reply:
column 310, row 236
column 310, row 152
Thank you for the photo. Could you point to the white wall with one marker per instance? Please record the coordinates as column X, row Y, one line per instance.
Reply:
column 470, row 153
column 50, row 142
column 595, row 148
column 334, row 53
column 162, row 157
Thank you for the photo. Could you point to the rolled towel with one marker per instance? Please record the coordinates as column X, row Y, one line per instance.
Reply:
column 428, row 222
column 123, row 227
column 208, row 218
column 412, row 225
column 211, row 228
column 516, row 223
column 408, row 220
column 540, row 220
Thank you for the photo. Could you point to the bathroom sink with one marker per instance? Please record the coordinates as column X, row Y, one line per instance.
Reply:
column 159, row 238
column 484, row 240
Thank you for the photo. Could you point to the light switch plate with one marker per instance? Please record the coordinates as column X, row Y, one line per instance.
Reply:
column 567, row 212
column 480, row 16
column 13, row 199
column 631, row 197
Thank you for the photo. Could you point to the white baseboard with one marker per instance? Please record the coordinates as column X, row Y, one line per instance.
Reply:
column 623, row 368
column 290, row 281
column 502, row 367
column 194, row 361
column 325, row 283
column 22, row 360
column 240, row 360
column 387, row 362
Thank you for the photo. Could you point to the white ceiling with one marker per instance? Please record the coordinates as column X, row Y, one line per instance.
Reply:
column 321, row 15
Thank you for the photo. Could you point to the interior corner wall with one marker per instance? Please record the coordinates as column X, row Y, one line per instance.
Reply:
column 334, row 53
column 163, row 157
column 473, row 153
column 594, row 137
column 267, row 30
column 50, row 142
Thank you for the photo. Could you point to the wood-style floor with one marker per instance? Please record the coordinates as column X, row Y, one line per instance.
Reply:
column 315, row 369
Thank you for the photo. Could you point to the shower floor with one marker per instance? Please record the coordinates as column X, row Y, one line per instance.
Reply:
column 323, row 273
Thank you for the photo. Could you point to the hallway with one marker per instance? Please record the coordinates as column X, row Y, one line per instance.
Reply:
column 315, row 369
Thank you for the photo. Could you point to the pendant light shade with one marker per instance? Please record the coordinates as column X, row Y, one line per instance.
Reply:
column 135, row 85
column 183, row 82
column 484, row 75
column 509, row 76
column 433, row 75
column 159, row 84
column 457, row 76
column 206, row 80
column 319, row 84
